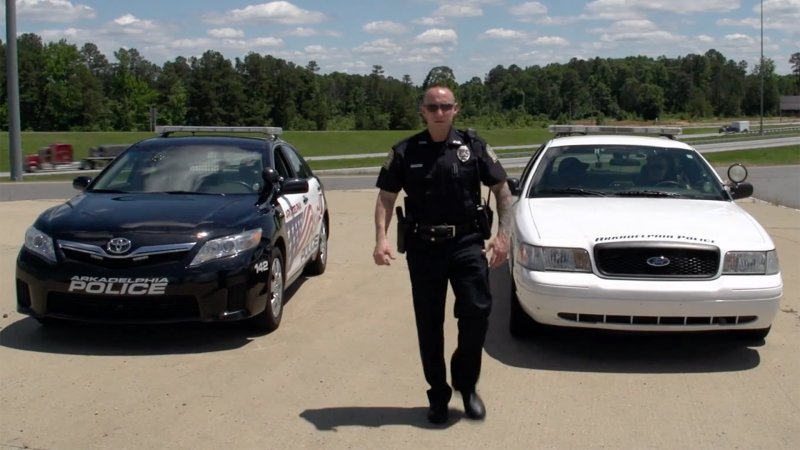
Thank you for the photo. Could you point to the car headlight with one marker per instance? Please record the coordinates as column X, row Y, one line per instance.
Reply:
column 227, row 246
column 557, row 259
column 40, row 243
column 751, row 263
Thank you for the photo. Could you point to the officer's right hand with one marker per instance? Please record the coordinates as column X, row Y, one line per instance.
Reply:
column 383, row 254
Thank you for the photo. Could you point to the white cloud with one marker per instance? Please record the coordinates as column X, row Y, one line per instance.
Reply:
column 380, row 46
column 272, row 12
column 528, row 9
column 461, row 10
column 384, row 26
column 704, row 38
column 53, row 10
column 430, row 21
column 437, row 36
column 226, row 33
column 502, row 33
column 551, row 41
column 610, row 7
column 739, row 38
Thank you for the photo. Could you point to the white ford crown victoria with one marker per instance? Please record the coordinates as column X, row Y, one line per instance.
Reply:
column 623, row 231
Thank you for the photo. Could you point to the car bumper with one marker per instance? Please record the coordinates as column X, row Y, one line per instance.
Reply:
column 217, row 291
column 588, row 301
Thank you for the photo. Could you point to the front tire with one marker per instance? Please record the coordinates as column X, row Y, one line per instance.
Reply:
column 269, row 319
column 319, row 263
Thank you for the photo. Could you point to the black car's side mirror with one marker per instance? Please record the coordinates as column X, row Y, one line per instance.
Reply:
column 513, row 186
column 294, row 186
column 81, row 183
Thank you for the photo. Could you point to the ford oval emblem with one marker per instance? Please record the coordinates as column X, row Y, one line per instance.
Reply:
column 658, row 261
column 118, row 246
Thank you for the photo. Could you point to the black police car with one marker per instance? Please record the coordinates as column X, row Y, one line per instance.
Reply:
column 207, row 226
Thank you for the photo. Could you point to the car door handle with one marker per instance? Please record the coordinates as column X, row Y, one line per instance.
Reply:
column 305, row 199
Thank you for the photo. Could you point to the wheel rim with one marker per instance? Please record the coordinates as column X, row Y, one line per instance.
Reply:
column 276, row 288
column 323, row 244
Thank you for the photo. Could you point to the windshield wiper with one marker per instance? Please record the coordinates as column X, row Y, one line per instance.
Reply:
column 188, row 192
column 576, row 191
column 647, row 193
column 107, row 191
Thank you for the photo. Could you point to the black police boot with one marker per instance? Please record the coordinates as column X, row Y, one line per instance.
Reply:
column 473, row 405
column 438, row 413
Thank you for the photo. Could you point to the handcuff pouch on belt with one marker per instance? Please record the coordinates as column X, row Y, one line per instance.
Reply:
column 484, row 217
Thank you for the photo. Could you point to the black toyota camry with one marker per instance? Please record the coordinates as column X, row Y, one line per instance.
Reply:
column 195, row 224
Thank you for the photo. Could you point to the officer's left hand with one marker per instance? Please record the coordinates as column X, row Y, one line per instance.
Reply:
column 498, row 250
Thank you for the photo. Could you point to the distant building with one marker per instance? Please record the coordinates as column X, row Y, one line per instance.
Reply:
column 790, row 105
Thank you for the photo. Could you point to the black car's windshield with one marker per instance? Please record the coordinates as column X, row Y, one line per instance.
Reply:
column 184, row 166
column 624, row 171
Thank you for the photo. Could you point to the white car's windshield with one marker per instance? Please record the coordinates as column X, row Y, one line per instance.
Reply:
column 624, row 170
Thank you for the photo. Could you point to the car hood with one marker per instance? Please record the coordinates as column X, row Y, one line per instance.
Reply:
column 588, row 221
column 163, row 216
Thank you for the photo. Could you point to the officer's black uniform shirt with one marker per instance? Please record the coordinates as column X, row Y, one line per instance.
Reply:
column 440, row 178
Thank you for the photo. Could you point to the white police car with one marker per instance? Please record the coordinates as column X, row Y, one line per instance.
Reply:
column 617, row 230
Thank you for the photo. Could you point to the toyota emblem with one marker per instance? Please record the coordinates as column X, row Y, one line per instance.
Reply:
column 658, row 261
column 118, row 246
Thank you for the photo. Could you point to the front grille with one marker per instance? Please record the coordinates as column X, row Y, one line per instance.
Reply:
column 122, row 308
column 123, row 263
column 656, row 320
column 657, row 260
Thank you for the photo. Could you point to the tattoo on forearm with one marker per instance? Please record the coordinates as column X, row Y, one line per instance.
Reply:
column 503, row 200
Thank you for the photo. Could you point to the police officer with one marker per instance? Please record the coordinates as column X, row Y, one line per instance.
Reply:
column 441, row 171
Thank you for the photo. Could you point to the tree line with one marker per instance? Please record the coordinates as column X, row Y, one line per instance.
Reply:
column 66, row 88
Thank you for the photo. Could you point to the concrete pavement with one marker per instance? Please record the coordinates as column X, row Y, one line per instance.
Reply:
column 343, row 371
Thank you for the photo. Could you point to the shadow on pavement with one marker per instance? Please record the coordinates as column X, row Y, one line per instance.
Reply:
column 329, row 419
column 579, row 350
column 124, row 340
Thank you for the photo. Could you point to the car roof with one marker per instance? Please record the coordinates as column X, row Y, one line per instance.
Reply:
column 210, row 139
column 615, row 139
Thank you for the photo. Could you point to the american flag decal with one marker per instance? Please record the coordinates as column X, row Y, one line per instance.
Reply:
column 300, row 229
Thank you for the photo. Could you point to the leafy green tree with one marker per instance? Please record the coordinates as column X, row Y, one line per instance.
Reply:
column 794, row 60
column 440, row 76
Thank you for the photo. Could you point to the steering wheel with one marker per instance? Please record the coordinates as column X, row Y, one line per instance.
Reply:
column 246, row 185
column 669, row 183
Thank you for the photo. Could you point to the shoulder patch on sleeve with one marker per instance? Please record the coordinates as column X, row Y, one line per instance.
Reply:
column 491, row 153
column 389, row 158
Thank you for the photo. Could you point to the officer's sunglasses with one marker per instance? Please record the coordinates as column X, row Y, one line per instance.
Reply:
column 445, row 107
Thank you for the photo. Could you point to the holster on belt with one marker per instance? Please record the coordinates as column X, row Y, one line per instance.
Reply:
column 403, row 227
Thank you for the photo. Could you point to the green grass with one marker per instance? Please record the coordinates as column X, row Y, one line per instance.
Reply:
column 778, row 156
column 353, row 142
column 309, row 143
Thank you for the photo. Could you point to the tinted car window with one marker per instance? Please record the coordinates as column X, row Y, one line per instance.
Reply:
column 297, row 164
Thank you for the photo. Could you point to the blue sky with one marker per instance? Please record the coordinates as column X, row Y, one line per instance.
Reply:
column 412, row 36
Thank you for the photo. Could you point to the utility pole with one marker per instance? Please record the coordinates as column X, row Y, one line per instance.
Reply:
column 12, row 78
column 761, row 69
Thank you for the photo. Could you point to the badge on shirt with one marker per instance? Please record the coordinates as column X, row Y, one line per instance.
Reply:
column 491, row 153
column 388, row 161
column 463, row 153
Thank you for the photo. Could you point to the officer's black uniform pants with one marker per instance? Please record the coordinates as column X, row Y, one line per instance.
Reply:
column 462, row 262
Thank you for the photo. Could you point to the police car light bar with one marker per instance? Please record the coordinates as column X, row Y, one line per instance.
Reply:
column 165, row 130
column 566, row 130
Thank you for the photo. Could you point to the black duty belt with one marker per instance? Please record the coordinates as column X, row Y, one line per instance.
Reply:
column 438, row 233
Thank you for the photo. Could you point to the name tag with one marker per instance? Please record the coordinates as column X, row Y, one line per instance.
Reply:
column 415, row 166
